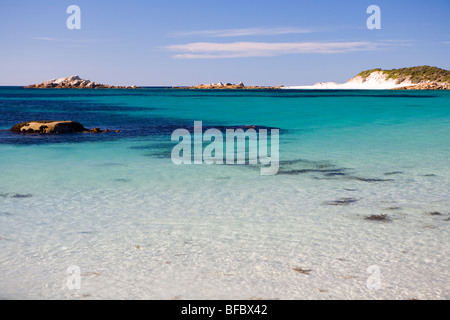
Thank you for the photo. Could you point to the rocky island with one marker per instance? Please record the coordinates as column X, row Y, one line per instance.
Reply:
column 74, row 82
column 221, row 85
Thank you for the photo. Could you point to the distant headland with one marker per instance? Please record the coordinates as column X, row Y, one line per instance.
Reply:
column 222, row 86
column 414, row 78
column 74, row 82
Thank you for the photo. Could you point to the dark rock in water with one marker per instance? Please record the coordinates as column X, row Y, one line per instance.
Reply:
column 316, row 164
column 369, row 179
column 380, row 218
column 295, row 171
column 340, row 202
column 303, row 271
column 392, row 173
column 28, row 195
column 333, row 174
column 96, row 130
column 48, row 127
column 330, row 172
column 302, row 166
column 15, row 195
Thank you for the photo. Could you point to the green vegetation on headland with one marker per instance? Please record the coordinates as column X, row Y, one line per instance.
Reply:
column 416, row 75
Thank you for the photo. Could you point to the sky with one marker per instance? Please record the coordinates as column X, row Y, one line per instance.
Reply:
column 170, row 43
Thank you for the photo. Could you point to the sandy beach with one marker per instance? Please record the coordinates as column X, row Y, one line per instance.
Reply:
column 376, row 81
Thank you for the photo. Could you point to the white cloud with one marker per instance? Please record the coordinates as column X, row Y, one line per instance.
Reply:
column 209, row 50
column 257, row 31
column 47, row 39
column 65, row 40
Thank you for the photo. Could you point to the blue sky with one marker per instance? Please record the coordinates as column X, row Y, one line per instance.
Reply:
column 191, row 42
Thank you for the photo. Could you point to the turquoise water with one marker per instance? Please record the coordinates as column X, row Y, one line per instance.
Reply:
column 140, row 227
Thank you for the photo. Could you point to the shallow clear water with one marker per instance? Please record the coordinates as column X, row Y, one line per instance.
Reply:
column 140, row 227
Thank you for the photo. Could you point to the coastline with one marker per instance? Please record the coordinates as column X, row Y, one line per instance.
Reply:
column 227, row 86
column 414, row 78
column 344, row 86
column 430, row 86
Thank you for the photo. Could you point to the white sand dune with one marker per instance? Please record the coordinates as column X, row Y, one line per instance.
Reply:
column 375, row 81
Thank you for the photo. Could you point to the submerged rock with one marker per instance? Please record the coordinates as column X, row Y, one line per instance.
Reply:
column 368, row 179
column 15, row 195
column 393, row 173
column 327, row 172
column 340, row 202
column 301, row 270
column 380, row 218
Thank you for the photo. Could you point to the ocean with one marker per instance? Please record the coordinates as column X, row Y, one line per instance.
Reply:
column 359, row 208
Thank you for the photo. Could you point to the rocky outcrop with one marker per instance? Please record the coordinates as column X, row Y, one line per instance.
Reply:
column 49, row 127
column 426, row 86
column 220, row 85
column 74, row 82
column 54, row 127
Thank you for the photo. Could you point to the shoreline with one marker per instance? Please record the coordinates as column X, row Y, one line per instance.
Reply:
column 418, row 87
